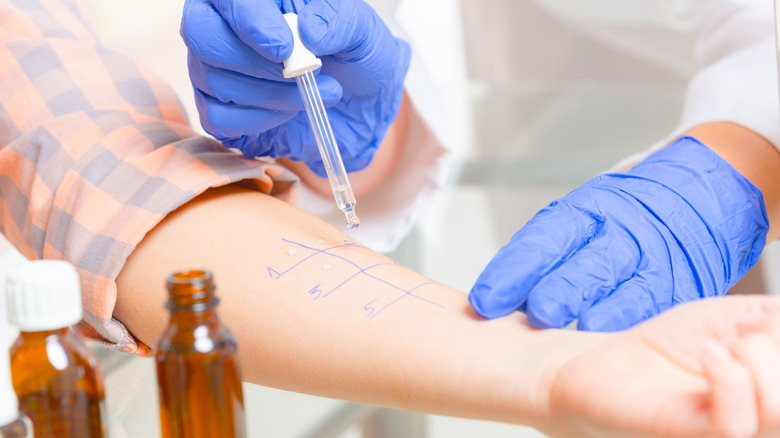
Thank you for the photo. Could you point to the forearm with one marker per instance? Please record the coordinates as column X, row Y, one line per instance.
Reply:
column 345, row 323
column 751, row 155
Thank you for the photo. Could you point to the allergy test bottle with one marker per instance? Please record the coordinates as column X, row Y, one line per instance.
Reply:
column 12, row 423
column 55, row 375
column 197, row 364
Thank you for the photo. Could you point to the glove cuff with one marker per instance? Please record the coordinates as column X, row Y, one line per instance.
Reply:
column 728, row 211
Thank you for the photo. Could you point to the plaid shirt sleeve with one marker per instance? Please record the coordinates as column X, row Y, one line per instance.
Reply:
column 95, row 150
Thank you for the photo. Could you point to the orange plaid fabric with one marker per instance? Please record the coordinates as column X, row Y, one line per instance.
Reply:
column 95, row 150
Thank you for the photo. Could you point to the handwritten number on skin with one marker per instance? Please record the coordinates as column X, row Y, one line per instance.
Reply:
column 369, row 308
column 315, row 292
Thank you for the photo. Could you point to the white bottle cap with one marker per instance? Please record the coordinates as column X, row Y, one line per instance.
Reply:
column 301, row 60
column 43, row 295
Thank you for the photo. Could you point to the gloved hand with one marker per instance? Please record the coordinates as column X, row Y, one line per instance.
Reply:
column 236, row 48
column 681, row 225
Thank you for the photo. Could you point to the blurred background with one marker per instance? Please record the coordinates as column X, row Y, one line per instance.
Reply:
column 577, row 87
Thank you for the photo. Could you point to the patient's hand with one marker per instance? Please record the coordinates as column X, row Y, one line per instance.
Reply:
column 674, row 376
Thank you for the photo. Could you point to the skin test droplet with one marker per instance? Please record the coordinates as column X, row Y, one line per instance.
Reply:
column 320, row 241
column 327, row 267
column 292, row 251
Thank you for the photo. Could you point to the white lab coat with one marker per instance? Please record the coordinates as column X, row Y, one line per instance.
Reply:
column 569, row 68
column 721, row 51
column 724, row 48
column 737, row 78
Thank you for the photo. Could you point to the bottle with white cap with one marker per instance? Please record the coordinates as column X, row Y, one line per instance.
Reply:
column 55, row 375
column 12, row 423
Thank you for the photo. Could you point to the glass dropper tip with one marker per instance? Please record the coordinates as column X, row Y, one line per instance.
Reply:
column 352, row 219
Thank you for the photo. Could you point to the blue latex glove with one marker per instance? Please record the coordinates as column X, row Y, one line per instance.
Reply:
column 236, row 48
column 681, row 225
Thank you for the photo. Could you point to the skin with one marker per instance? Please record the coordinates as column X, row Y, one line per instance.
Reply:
column 751, row 155
column 680, row 374
column 757, row 347
column 429, row 352
column 693, row 371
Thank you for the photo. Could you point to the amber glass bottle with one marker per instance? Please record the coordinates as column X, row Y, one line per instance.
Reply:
column 12, row 423
column 55, row 375
column 197, row 364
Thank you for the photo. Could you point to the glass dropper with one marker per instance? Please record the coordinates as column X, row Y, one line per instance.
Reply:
column 301, row 66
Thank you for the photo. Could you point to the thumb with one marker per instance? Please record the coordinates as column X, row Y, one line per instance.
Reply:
column 348, row 27
column 551, row 237
column 258, row 24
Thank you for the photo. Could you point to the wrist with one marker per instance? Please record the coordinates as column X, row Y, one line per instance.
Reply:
column 715, row 213
column 544, row 359
column 752, row 156
column 514, row 367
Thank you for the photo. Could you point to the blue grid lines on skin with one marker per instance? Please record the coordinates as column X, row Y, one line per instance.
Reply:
column 372, row 308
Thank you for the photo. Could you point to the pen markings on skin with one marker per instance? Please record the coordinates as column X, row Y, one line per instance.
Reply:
column 273, row 273
column 369, row 308
column 363, row 271
column 315, row 292
column 407, row 294
column 372, row 308
column 277, row 274
column 360, row 271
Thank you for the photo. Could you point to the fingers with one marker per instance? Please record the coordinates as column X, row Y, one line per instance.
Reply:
column 209, row 31
column 229, row 86
column 592, row 273
column 229, row 120
column 348, row 28
column 631, row 303
column 258, row 24
column 296, row 141
column 646, row 293
column 769, row 324
column 745, row 385
column 621, row 278
column 351, row 163
column 733, row 408
column 761, row 356
column 759, row 349
column 546, row 241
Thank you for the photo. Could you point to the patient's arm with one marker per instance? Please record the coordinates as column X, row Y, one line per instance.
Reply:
column 317, row 313
column 673, row 376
